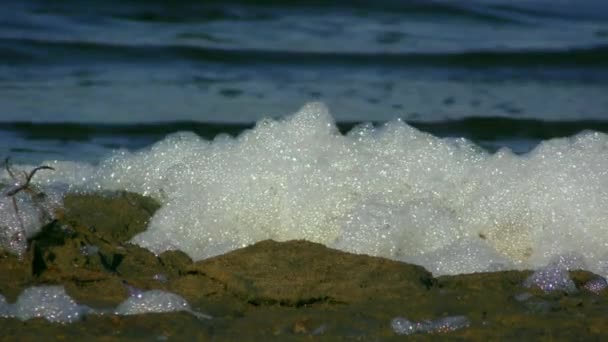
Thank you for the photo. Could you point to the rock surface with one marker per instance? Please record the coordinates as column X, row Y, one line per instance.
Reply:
column 291, row 290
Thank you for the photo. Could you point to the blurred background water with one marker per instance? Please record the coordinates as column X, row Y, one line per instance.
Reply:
column 81, row 78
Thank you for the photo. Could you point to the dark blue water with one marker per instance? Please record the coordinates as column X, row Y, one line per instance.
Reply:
column 79, row 79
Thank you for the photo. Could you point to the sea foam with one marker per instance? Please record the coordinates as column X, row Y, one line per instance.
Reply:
column 156, row 301
column 390, row 191
column 23, row 213
column 49, row 302
column 52, row 303
column 403, row 326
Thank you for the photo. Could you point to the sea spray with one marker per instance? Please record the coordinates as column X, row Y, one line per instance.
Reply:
column 390, row 191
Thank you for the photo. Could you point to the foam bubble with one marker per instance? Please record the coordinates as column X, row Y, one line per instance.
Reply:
column 155, row 301
column 4, row 307
column 23, row 214
column 555, row 276
column 49, row 302
column 55, row 305
column 463, row 256
column 596, row 285
column 403, row 326
column 390, row 191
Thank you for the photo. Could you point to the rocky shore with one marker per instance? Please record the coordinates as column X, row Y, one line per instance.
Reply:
column 295, row 290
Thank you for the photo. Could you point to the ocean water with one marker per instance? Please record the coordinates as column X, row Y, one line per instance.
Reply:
column 80, row 80
column 460, row 135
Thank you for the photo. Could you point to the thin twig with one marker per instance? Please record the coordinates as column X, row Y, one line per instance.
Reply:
column 7, row 163
column 28, row 178
column 18, row 217
column 23, row 187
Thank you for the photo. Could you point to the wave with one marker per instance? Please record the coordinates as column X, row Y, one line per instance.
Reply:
column 26, row 51
column 224, row 10
column 191, row 10
column 474, row 128
column 391, row 191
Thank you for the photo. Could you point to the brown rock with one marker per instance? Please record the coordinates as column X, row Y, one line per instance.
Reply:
column 113, row 217
column 301, row 273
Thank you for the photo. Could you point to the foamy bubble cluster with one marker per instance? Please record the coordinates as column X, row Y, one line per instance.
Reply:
column 555, row 275
column 390, row 191
column 403, row 326
column 155, row 301
column 23, row 214
column 55, row 305
column 49, row 302
column 596, row 285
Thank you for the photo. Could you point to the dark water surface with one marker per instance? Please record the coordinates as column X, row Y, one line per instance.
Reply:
column 80, row 78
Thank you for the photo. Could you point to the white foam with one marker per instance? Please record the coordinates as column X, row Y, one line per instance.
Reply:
column 48, row 302
column 55, row 305
column 391, row 191
column 555, row 276
column 596, row 285
column 155, row 301
column 24, row 217
column 4, row 307
column 403, row 326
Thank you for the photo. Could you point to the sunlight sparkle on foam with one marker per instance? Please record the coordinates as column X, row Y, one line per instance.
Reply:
column 52, row 303
column 391, row 191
